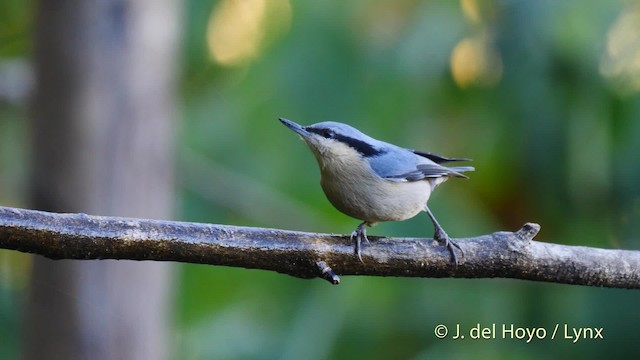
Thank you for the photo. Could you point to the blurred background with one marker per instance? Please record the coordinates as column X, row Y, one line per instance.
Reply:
column 543, row 95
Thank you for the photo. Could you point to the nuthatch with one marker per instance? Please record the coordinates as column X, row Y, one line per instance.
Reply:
column 375, row 181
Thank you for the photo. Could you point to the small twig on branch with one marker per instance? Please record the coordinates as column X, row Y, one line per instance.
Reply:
column 309, row 255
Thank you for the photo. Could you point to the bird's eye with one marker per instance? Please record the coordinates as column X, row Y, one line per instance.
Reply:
column 327, row 133
column 324, row 132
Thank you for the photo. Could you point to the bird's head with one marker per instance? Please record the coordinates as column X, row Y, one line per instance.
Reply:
column 330, row 139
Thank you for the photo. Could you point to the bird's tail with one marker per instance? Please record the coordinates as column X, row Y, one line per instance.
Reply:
column 458, row 170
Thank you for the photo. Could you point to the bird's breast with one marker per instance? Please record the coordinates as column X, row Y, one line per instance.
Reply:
column 353, row 188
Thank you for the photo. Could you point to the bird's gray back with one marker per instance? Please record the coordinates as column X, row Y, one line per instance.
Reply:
column 400, row 164
column 388, row 160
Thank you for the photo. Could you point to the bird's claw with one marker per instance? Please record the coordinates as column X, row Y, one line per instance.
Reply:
column 359, row 234
column 356, row 244
column 445, row 240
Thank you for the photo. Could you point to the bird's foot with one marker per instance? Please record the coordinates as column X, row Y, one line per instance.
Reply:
column 360, row 233
column 444, row 239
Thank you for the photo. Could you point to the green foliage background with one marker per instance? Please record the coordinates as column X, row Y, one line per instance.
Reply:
column 553, row 129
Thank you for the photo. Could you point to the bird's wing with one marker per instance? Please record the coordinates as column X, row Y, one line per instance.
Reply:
column 400, row 164
column 438, row 159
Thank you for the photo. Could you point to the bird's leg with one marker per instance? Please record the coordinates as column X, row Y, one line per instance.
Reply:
column 360, row 233
column 441, row 236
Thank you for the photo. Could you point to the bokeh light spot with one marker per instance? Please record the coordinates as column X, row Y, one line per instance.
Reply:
column 474, row 61
column 238, row 29
column 621, row 61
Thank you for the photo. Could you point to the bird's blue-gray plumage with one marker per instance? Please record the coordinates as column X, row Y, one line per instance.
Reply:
column 375, row 181
column 387, row 160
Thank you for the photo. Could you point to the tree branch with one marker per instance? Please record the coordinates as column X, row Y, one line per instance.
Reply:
column 309, row 255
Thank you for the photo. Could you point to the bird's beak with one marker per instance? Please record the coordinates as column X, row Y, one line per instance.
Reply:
column 295, row 127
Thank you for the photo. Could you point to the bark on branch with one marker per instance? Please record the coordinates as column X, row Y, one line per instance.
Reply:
column 309, row 255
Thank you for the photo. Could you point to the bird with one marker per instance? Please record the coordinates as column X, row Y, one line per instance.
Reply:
column 375, row 181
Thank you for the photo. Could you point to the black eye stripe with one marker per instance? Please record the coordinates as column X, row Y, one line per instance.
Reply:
column 360, row 146
column 327, row 133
